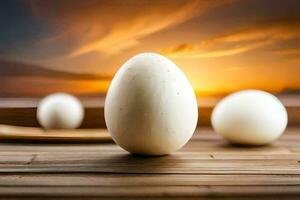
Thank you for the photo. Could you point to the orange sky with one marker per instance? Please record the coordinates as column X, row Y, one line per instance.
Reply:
column 222, row 46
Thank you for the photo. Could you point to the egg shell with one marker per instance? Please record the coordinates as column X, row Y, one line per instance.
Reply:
column 60, row 111
column 250, row 117
column 150, row 106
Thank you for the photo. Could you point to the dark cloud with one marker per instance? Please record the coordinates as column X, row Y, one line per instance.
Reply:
column 16, row 69
column 113, row 26
column 249, row 38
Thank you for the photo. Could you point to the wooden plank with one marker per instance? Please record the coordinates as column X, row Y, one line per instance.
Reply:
column 210, row 155
column 9, row 132
column 94, row 179
column 206, row 167
column 236, row 192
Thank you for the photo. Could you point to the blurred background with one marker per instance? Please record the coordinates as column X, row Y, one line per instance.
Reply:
column 77, row 46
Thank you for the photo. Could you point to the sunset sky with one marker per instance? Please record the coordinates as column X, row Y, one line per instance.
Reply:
column 76, row 46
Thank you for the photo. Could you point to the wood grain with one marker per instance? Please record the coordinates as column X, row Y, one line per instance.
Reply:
column 8, row 132
column 207, row 167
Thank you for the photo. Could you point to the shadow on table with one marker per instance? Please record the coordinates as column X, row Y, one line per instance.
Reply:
column 131, row 163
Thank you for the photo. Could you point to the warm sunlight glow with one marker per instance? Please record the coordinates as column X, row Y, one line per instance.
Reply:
column 221, row 46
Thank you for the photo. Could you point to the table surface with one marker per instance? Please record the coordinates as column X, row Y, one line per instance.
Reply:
column 206, row 167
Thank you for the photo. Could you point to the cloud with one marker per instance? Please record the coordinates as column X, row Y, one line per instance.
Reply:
column 113, row 26
column 240, row 41
column 195, row 51
column 23, row 80
column 17, row 69
column 287, row 51
column 40, row 86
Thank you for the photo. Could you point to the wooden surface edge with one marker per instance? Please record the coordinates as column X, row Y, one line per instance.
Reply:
column 94, row 117
column 22, row 111
column 10, row 132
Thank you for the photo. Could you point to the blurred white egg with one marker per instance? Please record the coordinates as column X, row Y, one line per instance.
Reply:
column 60, row 111
column 150, row 107
column 250, row 117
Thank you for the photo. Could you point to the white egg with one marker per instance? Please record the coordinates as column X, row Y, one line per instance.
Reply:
column 60, row 111
column 250, row 117
column 150, row 107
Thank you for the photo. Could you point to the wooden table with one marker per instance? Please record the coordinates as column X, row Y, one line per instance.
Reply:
column 22, row 111
column 206, row 167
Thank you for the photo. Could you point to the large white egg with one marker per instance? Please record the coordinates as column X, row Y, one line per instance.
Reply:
column 250, row 117
column 60, row 111
column 150, row 106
